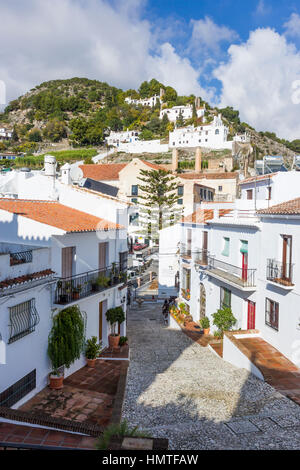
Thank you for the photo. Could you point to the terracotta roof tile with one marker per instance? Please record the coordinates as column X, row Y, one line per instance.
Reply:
column 285, row 208
column 155, row 166
column 102, row 171
column 27, row 277
column 200, row 216
column 257, row 178
column 212, row 176
column 56, row 215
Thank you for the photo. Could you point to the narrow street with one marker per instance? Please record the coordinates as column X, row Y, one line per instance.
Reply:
column 183, row 391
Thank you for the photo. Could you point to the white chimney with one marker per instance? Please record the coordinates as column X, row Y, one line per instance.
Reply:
column 66, row 174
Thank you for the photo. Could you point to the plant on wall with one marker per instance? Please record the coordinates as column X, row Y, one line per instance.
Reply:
column 66, row 338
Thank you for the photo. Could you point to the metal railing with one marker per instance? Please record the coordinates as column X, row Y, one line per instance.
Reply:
column 201, row 257
column 21, row 257
column 279, row 272
column 185, row 250
column 82, row 285
column 23, row 320
column 241, row 276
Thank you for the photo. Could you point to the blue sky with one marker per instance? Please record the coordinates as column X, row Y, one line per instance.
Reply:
column 244, row 54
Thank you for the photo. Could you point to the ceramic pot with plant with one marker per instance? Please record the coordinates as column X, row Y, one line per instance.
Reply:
column 56, row 380
column 205, row 325
column 92, row 350
column 114, row 316
column 123, row 340
column 76, row 292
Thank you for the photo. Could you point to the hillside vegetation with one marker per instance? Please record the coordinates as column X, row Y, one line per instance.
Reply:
column 80, row 112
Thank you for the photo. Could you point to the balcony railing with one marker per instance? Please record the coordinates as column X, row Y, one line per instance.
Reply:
column 242, row 277
column 281, row 273
column 83, row 285
column 185, row 251
column 201, row 257
column 21, row 257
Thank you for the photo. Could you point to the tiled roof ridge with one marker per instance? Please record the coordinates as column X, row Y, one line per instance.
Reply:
column 291, row 207
column 25, row 278
column 258, row 178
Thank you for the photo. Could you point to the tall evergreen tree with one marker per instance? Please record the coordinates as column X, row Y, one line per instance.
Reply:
column 158, row 193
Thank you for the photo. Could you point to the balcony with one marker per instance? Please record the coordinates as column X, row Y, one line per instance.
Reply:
column 83, row 285
column 20, row 257
column 280, row 273
column 201, row 258
column 185, row 251
column 241, row 278
column 186, row 294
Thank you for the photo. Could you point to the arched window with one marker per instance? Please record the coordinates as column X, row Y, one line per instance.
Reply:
column 217, row 132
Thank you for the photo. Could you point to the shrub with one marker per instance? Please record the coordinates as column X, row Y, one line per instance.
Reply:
column 113, row 316
column 123, row 340
column 204, row 322
column 118, row 430
column 224, row 319
column 92, row 348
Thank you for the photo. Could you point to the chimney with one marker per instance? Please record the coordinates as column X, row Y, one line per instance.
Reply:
column 198, row 159
column 174, row 159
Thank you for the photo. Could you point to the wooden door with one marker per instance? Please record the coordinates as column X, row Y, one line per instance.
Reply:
column 67, row 261
column 100, row 321
column 286, row 258
column 251, row 316
column 103, row 255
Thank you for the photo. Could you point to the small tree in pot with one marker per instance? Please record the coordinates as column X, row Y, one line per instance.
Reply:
column 92, row 350
column 224, row 320
column 113, row 316
column 204, row 322
column 65, row 342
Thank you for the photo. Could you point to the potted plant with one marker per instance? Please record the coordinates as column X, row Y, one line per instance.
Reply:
column 62, row 295
column 113, row 316
column 205, row 324
column 65, row 342
column 123, row 340
column 224, row 320
column 92, row 350
column 76, row 291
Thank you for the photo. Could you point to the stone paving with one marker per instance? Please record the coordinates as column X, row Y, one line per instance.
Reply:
column 182, row 391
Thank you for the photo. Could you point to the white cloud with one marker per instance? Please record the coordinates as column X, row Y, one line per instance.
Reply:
column 292, row 26
column 207, row 36
column 258, row 80
column 93, row 38
column 262, row 8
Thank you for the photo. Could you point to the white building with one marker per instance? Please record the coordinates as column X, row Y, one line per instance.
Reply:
column 273, row 188
column 186, row 112
column 143, row 101
column 211, row 135
column 117, row 138
column 5, row 133
column 51, row 253
column 243, row 256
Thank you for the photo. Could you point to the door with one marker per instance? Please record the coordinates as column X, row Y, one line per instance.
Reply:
column 244, row 266
column 204, row 247
column 103, row 255
column 286, row 258
column 251, row 315
column 189, row 242
column 67, row 261
column 102, row 311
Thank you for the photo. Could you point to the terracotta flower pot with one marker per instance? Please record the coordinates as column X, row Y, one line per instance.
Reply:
column 56, row 381
column 91, row 362
column 206, row 331
column 113, row 341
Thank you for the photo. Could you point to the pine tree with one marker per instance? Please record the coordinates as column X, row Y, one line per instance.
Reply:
column 159, row 196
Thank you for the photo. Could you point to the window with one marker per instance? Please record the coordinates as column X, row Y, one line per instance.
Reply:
column 180, row 190
column 220, row 188
column 180, row 202
column 249, row 194
column 17, row 391
column 226, row 242
column 186, row 278
column 23, row 320
column 134, row 200
column 225, row 298
column 134, row 190
column 269, row 193
column 217, row 132
column 272, row 314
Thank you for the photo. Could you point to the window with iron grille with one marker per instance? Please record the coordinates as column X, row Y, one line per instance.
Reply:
column 17, row 391
column 23, row 320
column 272, row 314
